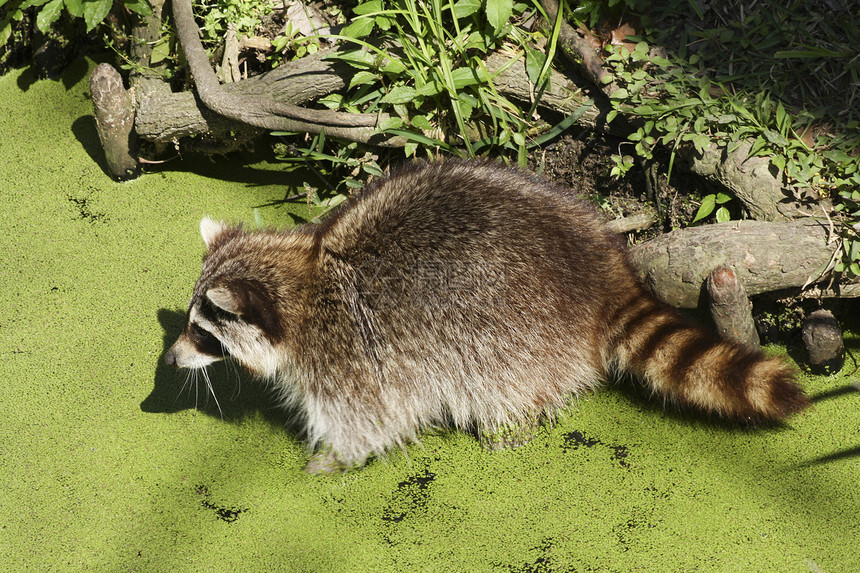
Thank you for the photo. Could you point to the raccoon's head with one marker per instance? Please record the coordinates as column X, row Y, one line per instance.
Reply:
column 249, row 291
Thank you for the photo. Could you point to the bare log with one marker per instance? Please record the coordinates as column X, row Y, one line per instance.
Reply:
column 163, row 116
column 114, row 114
column 766, row 257
column 731, row 308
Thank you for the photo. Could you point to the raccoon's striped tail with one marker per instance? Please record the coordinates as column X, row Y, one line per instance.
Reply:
column 694, row 367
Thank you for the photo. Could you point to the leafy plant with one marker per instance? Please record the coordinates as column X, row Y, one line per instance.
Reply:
column 215, row 15
column 92, row 12
column 434, row 84
column 709, row 203
column 341, row 168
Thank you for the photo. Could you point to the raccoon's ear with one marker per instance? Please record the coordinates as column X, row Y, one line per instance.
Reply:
column 210, row 231
column 225, row 299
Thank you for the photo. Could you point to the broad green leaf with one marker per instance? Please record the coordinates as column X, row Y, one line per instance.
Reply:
column 334, row 201
column 372, row 169
column 5, row 31
column 854, row 253
column 498, row 12
column 399, row 94
column 95, row 11
column 422, row 123
column 48, row 15
column 837, row 156
column 723, row 198
column 76, row 8
column 778, row 161
column 534, row 63
column 463, row 8
column 393, row 122
column 362, row 77
column 368, row 7
column 706, row 208
column 359, row 28
column 160, row 51
column 620, row 93
column 138, row 6
column 723, row 215
column 430, row 88
column 757, row 146
column 464, row 77
column 356, row 58
column 781, row 118
column 393, row 66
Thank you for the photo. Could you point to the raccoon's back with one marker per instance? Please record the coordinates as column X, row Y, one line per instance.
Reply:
column 476, row 286
column 499, row 291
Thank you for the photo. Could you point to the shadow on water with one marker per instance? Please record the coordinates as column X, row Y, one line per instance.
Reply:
column 844, row 453
column 84, row 130
column 238, row 394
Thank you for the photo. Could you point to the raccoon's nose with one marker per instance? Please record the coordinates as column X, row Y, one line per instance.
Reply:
column 170, row 357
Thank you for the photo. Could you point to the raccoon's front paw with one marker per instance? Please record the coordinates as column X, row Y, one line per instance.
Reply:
column 324, row 462
column 512, row 435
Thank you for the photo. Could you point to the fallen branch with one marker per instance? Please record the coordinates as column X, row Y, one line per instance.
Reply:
column 163, row 116
column 114, row 113
column 822, row 338
column 765, row 257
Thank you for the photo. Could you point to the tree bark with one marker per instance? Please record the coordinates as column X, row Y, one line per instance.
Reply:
column 765, row 256
column 753, row 180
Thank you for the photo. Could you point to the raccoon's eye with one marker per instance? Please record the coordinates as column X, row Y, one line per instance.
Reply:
column 205, row 341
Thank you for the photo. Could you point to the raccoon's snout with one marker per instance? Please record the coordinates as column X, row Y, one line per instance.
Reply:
column 195, row 348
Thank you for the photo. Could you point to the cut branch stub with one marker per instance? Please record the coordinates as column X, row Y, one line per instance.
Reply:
column 823, row 340
column 114, row 113
column 730, row 307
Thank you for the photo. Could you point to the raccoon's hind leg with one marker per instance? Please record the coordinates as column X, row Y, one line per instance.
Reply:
column 325, row 461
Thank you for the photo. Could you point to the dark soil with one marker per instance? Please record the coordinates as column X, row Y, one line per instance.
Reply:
column 583, row 161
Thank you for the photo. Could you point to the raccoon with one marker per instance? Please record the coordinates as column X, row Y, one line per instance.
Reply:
column 460, row 294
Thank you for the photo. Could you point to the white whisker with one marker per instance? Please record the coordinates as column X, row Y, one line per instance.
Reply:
column 212, row 390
